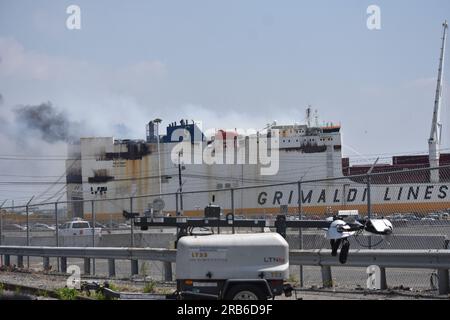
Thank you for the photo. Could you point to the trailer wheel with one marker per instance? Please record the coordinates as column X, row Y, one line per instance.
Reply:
column 245, row 292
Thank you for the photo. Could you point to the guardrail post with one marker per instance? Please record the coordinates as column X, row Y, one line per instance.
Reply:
column 20, row 261
column 443, row 281
column 7, row 260
column 327, row 279
column 168, row 271
column 383, row 282
column 63, row 264
column 134, row 267
column 87, row 266
column 46, row 262
column 111, row 268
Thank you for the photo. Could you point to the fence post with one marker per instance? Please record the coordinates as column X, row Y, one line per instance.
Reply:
column 93, row 234
column 1, row 224
column 57, row 233
column 300, row 231
column 131, row 224
column 232, row 208
column 134, row 263
column 28, row 236
column 327, row 279
column 232, row 201
column 443, row 281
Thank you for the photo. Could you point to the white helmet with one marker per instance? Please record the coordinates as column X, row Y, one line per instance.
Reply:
column 339, row 229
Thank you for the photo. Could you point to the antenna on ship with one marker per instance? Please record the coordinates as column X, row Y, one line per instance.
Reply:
column 316, row 119
column 308, row 116
column 436, row 127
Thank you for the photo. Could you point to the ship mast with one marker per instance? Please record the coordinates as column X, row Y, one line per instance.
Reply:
column 435, row 136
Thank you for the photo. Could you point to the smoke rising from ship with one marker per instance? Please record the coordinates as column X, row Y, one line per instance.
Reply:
column 53, row 125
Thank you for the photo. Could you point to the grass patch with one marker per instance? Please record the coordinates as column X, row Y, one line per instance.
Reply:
column 42, row 293
column 2, row 288
column 98, row 295
column 292, row 278
column 150, row 286
column 67, row 293
column 113, row 287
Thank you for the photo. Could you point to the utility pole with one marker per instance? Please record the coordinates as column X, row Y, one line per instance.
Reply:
column 436, row 127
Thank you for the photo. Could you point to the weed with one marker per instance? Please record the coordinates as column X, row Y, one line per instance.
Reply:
column 149, row 286
column 67, row 293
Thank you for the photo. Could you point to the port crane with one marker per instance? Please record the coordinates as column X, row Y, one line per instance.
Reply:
column 436, row 127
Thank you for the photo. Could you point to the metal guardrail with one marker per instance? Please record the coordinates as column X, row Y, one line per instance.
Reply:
column 414, row 259
column 420, row 259
column 167, row 256
column 158, row 254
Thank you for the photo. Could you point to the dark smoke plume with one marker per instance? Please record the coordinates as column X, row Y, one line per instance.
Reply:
column 52, row 124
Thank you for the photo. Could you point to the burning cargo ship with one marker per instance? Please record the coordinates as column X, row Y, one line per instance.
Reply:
column 307, row 154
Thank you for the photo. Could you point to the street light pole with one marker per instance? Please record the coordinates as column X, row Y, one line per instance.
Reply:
column 158, row 121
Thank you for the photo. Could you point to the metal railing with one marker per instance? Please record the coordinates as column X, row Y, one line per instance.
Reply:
column 384, row 259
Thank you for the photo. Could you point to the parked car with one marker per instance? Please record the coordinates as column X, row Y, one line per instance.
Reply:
column 123, row 226
column 41, row 227
column 411, row 217
column 100, row 225
column 14, row 227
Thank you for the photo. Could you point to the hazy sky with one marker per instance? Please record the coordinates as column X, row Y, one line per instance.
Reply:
column 228, row 63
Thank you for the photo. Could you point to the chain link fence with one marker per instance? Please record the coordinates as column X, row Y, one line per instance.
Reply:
column 416, row 201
